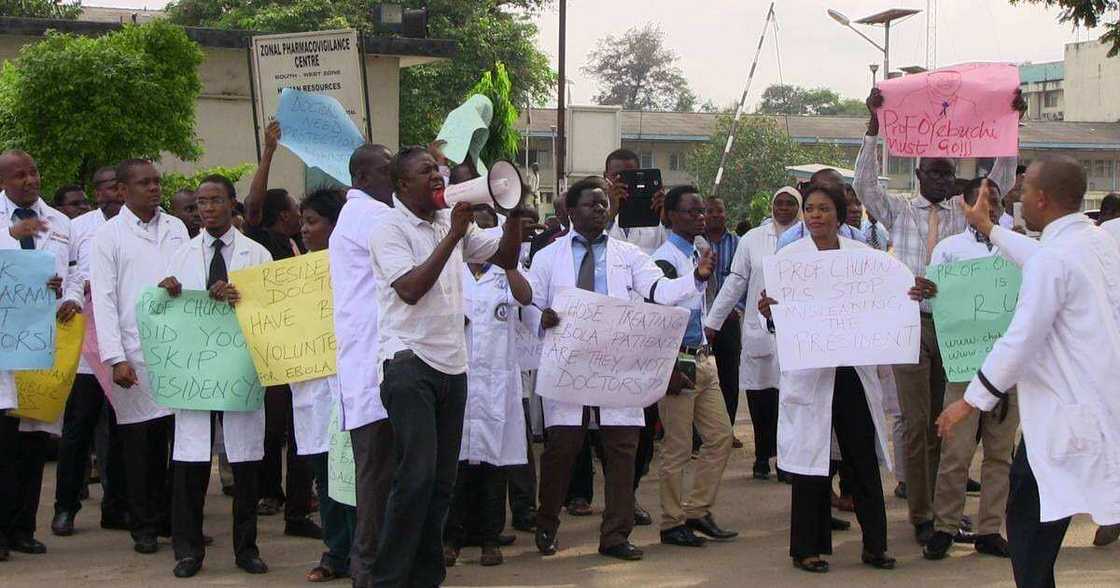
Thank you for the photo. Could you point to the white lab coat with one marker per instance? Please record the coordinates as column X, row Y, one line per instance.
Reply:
column 1062, row 351
column 758, row 362
column 631, row 275
column 243, row 431
column 127, row 259
column 805, row 404
column 82, row 230
column 311, row 414
column 56, row 241
column 494, row 422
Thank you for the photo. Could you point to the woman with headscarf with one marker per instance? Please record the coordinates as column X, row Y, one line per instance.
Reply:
column 758, row 365
column 816, row 402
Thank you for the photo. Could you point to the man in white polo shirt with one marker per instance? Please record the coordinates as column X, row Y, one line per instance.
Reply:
column 418, row 253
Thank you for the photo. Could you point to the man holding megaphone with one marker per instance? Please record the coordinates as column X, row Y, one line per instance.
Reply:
column 418, row 250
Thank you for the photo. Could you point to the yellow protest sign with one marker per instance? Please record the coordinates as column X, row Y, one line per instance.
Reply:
column 287, row 318
column 43, row 393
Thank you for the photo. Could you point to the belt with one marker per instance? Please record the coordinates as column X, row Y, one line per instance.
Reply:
column 700, row 351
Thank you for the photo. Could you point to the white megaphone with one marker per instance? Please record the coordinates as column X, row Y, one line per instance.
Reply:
column 501, row 187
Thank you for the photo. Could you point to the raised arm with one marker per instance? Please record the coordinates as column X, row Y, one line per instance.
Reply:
column 866, row 181
column 254, row 202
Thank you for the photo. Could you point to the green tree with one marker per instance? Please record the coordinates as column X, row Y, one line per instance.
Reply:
column 1088, row 14
column 756, row 166
column 172, row 182
column 488, row 32
column 503, row 140
column 795, row 100
column 77, row 103
column 637, row 72
column 41, row 9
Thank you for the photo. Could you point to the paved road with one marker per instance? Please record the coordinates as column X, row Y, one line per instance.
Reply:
column 93, row 557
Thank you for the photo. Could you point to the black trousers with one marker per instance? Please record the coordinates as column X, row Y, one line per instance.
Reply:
column 810, row 510
column 480, row 489
column 1034, row 544
column 147, row 462
column 191, row 481
column 763, row 405
column 426, row 410
column 22, row 456
column 110, row 466
column 374, row 465
column 522, row 479
column 279, row 429
column 84, row 409
column 727, row 348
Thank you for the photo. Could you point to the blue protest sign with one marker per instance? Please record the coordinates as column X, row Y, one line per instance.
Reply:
column 27, row 308
column 317, row 129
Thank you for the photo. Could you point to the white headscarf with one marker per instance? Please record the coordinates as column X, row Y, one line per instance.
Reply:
column 779, row 229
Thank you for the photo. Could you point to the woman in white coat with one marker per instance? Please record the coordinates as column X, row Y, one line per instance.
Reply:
column 758, row 364
column 815, row 402
column 312, row 401
column 204, row 263
column 494, row 422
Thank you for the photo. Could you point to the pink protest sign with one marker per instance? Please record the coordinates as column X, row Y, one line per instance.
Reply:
column 92, row 354
column 960, row 111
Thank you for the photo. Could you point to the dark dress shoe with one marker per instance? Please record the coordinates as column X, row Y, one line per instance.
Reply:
column 304, row 527
column 966, row 537
column 707, row 525
column 972, row 487
column 938, row 546
column 227, row 490
column 813, row 565
column 525, row 524
column 642, row 517
column 27, row 545
column 546, row 542
column 579, row 507
column 4, row 554
column 840, row 524
column 1106, row 535
column 761, row 470
column 491, row 556
column 450, row 556
column 625, row 551
column 186, row 567
column 993, row 544
column 785, row 478
column 966, row 523
column 252, row 565
column 503, row 541
column 900, row 490
column 682, row 536
column 881, row 561
column 146, row 545
column 923, row 532
column 207, row 540
column 63, row 524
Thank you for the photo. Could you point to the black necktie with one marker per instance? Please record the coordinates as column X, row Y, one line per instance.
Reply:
column 873, row 238
column 217, row 266
column 24, row 214
column 585, row 280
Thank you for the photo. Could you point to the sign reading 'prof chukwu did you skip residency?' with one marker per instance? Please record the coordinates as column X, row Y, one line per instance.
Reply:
column 842, row 308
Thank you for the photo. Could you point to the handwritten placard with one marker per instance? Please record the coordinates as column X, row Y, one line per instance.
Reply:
column 959, row 111
column 529, row 342
column 341, row 473
column 317, row 129
column 974, row 305
column 43, row 393
column 196, row 356
column 287, row 317
column 609, row 351
column 27, row 309
column 842, row 308
column 91, row 352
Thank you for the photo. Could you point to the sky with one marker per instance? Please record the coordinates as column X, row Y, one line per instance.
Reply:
column 715, row 40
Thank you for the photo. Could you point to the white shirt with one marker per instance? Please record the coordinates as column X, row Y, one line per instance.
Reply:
column 648, row 239
column 1007, row 221
column 1112, row 227
column 356, row 312
column 227, row 248
column 127, row 258
column 82, row 230
column 962, row 247
column 1062, row 351
column 432, row 328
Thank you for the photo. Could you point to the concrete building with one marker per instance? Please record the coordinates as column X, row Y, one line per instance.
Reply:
column 1092, row 82
column 224, row 115
column 1043, row 89
column 663, row 140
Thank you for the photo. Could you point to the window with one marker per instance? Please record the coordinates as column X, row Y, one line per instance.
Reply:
column 1102, row 168
column 676, row 162
column 646, row 159
column 900, row 166
column 1050, row 99
column 534, row 156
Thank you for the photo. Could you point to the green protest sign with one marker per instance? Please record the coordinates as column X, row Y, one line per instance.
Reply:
column 340, row 464
column 195, row 353
column 974, row 305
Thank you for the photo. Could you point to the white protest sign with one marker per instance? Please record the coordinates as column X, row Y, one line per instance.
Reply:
column 609, row 351
column 842, row 308
column 529, row 343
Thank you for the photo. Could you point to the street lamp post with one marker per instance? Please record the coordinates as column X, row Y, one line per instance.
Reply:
column 884, row 18
column 874, row 67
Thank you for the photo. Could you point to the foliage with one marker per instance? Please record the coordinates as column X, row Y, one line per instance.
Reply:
column 41, row 9
column 639, row 73
column 487, row 32
column 789, row 99
column 503, row 140
column 172, row 182
column 755, row 168
column 1089, row 14
column 78, row 103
